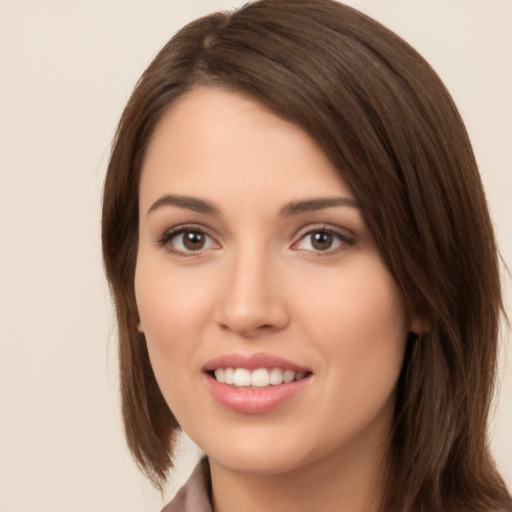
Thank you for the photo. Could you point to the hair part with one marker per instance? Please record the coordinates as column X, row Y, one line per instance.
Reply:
column 386, row 121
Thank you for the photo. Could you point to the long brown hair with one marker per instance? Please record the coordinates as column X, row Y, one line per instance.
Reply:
column 386, row 121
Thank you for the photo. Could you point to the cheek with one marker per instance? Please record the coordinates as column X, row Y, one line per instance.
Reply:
column 359, row 324
column 363, row 305
column 172, row 311
column 170, row 304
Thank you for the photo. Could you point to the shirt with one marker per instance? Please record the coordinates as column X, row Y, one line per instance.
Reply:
column 194, row 496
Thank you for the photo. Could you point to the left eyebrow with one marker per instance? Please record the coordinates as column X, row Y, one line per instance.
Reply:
column 190, row 203
column 309, row 205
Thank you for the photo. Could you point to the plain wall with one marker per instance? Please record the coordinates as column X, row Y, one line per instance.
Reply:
column 66, row 71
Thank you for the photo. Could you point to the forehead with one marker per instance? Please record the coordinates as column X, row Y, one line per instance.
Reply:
column 212, row 138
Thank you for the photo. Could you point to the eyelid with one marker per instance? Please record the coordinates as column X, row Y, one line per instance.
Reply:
column 345, row 235
column 169, row 234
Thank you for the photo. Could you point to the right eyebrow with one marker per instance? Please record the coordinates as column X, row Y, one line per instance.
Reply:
column 310, row 205
column 190, row 203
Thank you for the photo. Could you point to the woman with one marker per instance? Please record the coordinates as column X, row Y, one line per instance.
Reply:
column 304, row 269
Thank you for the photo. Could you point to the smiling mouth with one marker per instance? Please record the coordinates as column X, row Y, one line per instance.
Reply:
column 259, row 378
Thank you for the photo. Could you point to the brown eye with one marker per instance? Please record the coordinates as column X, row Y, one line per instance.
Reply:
column 193, row 240
column 321, row 240
column 185, row 241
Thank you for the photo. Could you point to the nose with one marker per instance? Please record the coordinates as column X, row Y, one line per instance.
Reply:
column 252, row 301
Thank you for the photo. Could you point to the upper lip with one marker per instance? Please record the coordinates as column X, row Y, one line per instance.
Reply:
column 253, row 362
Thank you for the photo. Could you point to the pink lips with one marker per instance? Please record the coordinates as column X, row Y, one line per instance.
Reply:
column 252, row 362
column 250, row 400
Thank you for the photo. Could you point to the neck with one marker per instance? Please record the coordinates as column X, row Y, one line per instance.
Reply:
column 351, row 482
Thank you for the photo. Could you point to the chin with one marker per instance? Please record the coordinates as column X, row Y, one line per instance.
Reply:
column 257, row 454
column 264, row 464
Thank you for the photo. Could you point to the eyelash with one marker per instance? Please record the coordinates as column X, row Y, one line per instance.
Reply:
column 343, row 240
column 168, row 236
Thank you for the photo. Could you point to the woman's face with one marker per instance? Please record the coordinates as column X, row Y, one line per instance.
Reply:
column 275, row 331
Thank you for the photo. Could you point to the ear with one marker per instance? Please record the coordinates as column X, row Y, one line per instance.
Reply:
column 140, row 328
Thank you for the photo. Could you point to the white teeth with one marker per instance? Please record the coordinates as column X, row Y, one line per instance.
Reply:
column 288, row 376
column 219, row 375
column 229, row 376
column 276, row 376
column 242, row 377
column 260, row 378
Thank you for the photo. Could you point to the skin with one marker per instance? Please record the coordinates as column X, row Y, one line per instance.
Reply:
column 260, row 284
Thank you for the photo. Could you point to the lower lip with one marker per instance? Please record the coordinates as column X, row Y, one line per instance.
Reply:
column 254, row 401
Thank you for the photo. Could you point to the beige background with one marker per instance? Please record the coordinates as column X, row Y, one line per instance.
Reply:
column 66, row 70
